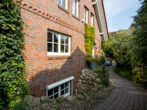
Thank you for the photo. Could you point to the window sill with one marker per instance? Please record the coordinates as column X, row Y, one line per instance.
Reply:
column 76, row 17
column 59, row 57
column 62, row 8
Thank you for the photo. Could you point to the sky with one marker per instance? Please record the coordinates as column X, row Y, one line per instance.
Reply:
column 119, row 13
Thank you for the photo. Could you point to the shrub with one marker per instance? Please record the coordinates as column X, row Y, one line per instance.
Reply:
column 4, row 99
column 124, row 72
column 103, row 75
column 12, row 73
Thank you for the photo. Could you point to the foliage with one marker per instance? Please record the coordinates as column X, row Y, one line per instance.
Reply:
column 89, row 39
column 140, row 40
column 120, row 46
column 4, row 99
column 12, row 73
column 139, row 47
column 106, row 46
column 129, row 48
column 124, row 72
column 103, row 75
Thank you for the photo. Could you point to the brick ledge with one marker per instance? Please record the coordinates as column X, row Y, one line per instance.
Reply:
column 49, row 17
column 59, row 57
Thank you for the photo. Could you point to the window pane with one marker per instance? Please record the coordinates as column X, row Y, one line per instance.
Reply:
column 62, row 39
column 66, row 91
column 50, row 39
column 66, row 40
column 55, row 47
column 59, row 2
column 51, row 97
column 66, row 48
column 66, row 85
column 50, row 92
column 56, row 38
column 56, row 95
column 62, row 92
column 73, row 7
column 62, row 48
column 63, row 3
column 62, row 86
column 55, row 90
column 50, row 47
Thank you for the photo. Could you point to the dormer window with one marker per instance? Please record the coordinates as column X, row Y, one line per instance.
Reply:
column 63, row 3
column 75, row 7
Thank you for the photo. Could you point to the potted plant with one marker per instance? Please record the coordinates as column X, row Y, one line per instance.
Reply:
column 92, row 63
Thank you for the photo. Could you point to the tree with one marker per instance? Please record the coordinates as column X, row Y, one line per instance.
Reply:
column 140, row 39
column 140, row 43
column 120, row 46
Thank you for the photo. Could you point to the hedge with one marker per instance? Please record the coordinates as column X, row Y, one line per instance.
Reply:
column 12, row 72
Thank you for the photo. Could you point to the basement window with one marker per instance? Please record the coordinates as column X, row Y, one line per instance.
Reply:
column 58, row 44
column 59, row 89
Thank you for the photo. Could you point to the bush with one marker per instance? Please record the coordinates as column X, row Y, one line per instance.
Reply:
column 103, row 75
column 124, row 72
column 12, row 66
column 4, row 99
column 140, row 76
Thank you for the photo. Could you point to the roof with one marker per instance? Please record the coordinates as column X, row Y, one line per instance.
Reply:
column 101, row 18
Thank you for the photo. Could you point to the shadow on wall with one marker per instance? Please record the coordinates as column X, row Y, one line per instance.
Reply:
column 72, row 67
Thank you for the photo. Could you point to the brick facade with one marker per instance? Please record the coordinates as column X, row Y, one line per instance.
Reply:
column 40, row 16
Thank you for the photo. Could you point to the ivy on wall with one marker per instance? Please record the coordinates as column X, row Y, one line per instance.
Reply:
column 89, row 39
column 12, row 72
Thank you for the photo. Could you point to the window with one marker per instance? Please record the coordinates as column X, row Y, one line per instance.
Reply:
column 86, row 15
column 75, row 7
column 92, row 19
column 63, row 3
column 58, row 44
column 59, row 89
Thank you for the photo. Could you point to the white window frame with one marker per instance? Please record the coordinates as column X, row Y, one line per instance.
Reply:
column 75, row 7
column 59, row 46
column 66, row 3
column 58, row 84
column 92, row 19
column 86, row 15
column 93, row 52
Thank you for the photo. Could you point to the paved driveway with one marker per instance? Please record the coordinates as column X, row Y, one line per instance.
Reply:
column 126, row 96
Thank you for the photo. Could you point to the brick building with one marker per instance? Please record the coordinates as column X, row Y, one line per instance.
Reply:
column 54, row 42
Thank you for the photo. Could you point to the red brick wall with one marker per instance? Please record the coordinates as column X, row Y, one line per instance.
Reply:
column 41, row 15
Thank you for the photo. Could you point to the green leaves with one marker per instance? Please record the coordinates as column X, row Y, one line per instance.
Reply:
column 12, row 71
column 89, row 39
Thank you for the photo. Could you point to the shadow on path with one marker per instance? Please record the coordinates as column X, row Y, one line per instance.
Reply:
column 126, row 96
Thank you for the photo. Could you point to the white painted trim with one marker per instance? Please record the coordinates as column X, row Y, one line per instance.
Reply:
column 93, row 53
column 66, row 4
column 58, row 54
column 59, row 46
column 92, row 20
column 59, row 83
column 77, row 8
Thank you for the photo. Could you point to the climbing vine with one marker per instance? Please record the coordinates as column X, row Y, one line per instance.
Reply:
column 12, row 73
column 89, row 39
